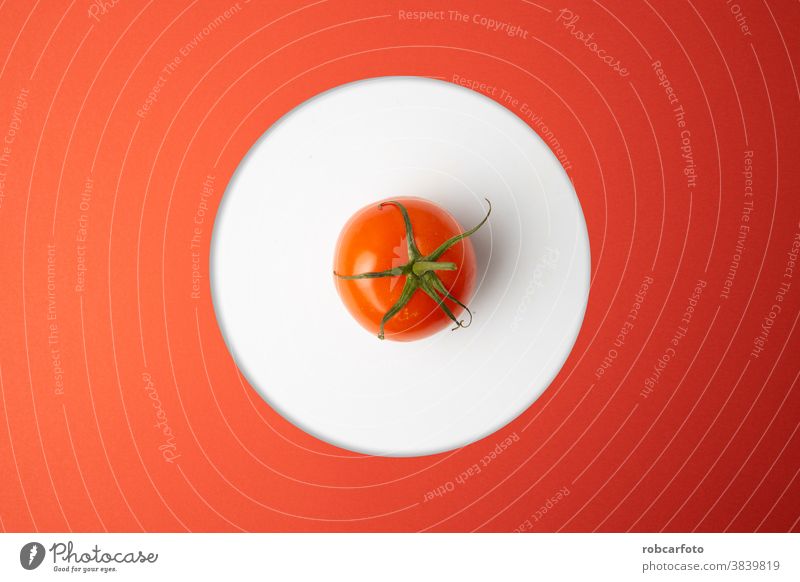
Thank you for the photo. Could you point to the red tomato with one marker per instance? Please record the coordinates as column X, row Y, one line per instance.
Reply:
column 415, row 289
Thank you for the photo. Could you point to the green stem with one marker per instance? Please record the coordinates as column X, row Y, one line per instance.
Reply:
column 413, row 251
column 405, row 296
column 450, row 242
column 422, row 267
column 396, row 272
column 420, row 272
column 437, row 284
column 439, row 302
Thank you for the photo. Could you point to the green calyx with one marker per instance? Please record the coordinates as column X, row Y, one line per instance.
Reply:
column 420, row 272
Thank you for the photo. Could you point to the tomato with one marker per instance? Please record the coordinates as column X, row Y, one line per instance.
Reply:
column 405, row 269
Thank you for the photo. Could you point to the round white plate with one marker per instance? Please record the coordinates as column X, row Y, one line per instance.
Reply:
column 272, row 256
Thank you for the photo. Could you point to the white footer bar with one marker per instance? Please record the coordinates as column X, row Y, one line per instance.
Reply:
column 389, row 557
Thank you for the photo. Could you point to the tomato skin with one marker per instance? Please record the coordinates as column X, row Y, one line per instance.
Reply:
column 374, row 239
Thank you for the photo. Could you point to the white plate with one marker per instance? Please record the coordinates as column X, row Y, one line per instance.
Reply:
column 272, row 256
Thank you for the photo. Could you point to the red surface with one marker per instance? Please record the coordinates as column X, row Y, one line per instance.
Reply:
column 713, row 447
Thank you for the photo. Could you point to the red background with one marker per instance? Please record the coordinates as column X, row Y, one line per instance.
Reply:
column 714, row 447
